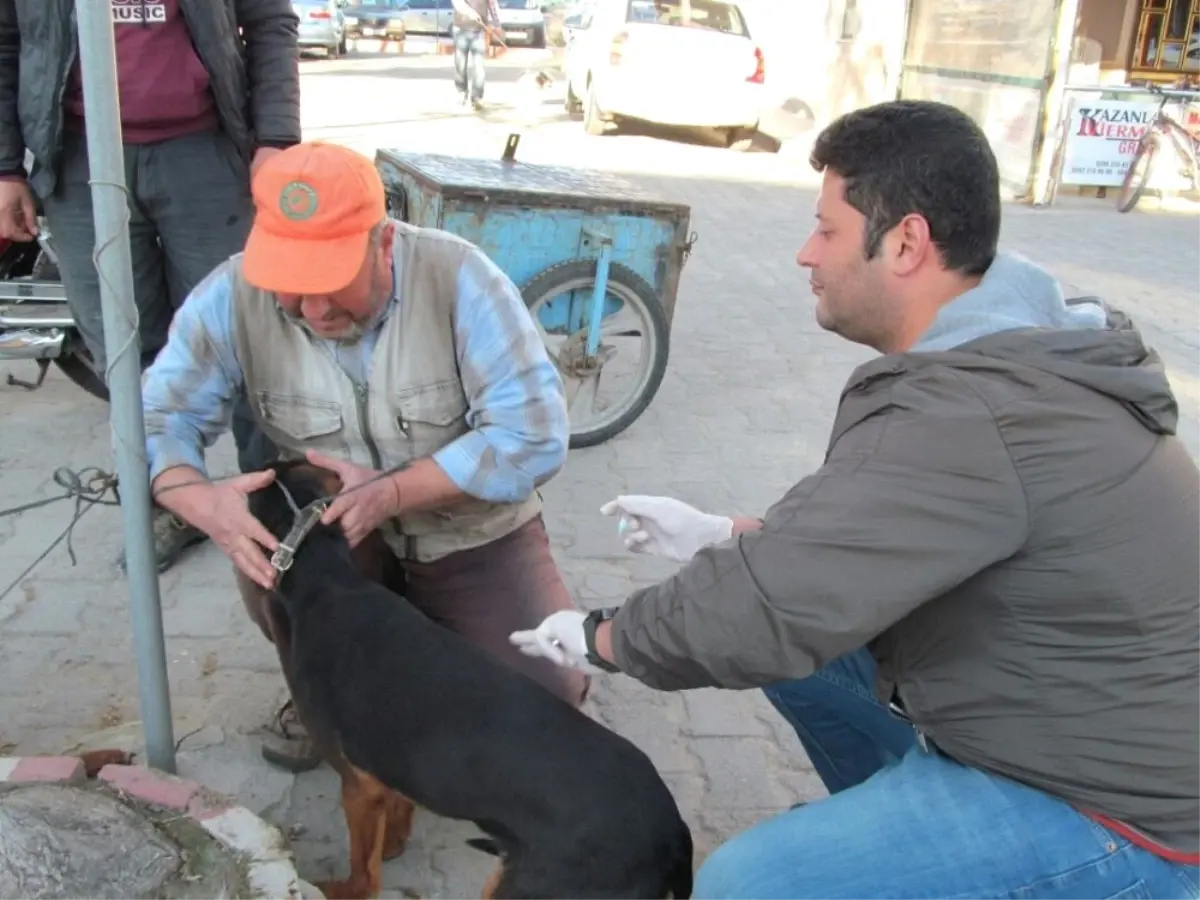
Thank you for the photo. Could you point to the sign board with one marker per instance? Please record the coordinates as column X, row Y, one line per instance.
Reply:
column 1102, row 137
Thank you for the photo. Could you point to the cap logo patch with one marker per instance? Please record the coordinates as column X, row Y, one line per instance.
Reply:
column 298, row 201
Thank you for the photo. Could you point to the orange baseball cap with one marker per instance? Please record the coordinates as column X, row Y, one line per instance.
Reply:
column 315, row 205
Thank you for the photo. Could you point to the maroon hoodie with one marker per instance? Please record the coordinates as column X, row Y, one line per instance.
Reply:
column 164, row 87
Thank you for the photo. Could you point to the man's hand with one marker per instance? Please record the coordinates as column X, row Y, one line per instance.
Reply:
column 219, row 510
column 663, row 526
column 261, row 155
column 559, row 639
column 18, row 215
column 366, row 500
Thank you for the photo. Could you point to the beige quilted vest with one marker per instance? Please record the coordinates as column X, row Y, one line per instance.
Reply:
column 413, row 402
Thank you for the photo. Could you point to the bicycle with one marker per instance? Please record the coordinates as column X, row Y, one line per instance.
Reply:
column 1164, row 130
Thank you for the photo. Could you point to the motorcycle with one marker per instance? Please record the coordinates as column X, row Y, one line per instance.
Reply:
column 35, row 321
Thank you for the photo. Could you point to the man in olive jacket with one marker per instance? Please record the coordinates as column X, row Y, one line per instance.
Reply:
column 202, row 106
column 980, row 614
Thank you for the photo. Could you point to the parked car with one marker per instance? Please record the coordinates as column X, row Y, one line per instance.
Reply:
column 428, row 17
column 381, row 20
column 523, row 21
column 321, row 26
column 689, row 63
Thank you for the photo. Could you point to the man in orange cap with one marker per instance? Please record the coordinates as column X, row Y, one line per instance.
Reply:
column 366, row 344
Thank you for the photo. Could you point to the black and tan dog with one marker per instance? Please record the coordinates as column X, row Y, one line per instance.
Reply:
column 408, row 713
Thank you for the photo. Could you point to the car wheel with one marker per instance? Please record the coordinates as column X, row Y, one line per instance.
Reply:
column 593, row 118
column 572, row 104
column 332, row 51
column 343, row 46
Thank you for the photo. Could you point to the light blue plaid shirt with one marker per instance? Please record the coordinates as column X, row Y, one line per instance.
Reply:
column 517, row 413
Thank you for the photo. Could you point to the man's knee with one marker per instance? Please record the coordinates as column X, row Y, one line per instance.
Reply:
column 851, row 672
column 735, row 870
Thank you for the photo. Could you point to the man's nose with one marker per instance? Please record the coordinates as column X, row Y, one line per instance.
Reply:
column 315, row 306
column 805, row 257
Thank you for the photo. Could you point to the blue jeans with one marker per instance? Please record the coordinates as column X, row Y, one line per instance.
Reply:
column 903, row 821
column 469, row 51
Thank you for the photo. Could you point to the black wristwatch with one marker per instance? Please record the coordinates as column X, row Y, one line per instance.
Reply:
column 590, row 621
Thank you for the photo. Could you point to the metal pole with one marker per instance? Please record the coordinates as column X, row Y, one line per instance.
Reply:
column 1052, row 125
column 106, row 159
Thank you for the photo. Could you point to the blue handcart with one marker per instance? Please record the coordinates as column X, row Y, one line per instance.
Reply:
column 596, row 258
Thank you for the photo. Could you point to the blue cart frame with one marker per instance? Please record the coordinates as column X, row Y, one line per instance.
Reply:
column 582, row 246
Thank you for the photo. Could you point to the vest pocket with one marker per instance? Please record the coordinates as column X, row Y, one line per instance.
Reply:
column 431, row 416
column 302, row 419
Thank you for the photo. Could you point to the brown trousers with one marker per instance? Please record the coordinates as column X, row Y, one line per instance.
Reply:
column 487, row 593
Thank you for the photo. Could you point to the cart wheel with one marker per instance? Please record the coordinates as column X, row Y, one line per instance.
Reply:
column 632, row 354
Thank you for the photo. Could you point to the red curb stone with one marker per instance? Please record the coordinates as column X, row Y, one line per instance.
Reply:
column 153, row 787
column 48, row 768
column 201, row 808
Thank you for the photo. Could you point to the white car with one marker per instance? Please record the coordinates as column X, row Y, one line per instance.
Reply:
column 523, row 20
column 685, row 63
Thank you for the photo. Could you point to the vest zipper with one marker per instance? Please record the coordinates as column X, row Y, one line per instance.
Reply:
column 360, row 397
column 360, row 401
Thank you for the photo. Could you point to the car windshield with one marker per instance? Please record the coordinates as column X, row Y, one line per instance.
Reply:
column 518, row 4
column 711, row 14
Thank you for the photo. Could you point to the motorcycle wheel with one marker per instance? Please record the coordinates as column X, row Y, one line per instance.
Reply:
column 76, row 364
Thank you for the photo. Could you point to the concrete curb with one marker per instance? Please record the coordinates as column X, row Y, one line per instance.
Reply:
column 271, row 868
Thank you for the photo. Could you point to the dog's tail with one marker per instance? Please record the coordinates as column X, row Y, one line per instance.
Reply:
column 487, row 845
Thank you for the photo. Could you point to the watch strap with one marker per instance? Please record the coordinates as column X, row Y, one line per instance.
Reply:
column 590, row 622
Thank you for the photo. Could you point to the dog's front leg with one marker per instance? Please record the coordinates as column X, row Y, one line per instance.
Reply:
column 493, row 883
column 365, row 803
column 399, row 818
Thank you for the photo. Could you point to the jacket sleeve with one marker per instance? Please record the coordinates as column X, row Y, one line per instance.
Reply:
column 269, row 30
column 12, row 144
column 908, row 505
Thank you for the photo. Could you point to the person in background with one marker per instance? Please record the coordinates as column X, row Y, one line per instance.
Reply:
column 472, row 21
column 209, row 90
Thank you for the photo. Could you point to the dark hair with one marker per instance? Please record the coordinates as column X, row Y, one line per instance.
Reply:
column 918, row 156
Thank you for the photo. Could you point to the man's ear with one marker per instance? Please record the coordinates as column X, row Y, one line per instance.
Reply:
column 911, row 244
column 387, row 238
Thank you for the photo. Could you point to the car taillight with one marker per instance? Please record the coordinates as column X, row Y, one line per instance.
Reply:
column 760, row 68
column 614, row 51
column 319, row 14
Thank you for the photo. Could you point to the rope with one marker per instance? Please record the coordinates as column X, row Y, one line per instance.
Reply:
column 89, row 487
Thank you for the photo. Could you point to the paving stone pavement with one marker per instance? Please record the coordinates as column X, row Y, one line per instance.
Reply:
column 743, row 413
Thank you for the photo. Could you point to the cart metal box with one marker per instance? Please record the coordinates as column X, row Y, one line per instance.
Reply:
column 528, row 217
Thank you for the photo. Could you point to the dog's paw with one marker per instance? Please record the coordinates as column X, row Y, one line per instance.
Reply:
column 395, row 847
column 346, row 889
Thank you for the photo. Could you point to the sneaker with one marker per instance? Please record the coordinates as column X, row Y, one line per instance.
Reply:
column 171, row 537
column 287, row 744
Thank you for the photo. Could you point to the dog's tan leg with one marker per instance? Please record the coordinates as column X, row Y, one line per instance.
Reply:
column 364, row 801
column 95, row 760
column 493, row 882
column 399, row 818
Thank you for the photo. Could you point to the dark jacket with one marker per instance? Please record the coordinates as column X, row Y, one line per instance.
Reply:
column 1011, row 525
column 254, row 77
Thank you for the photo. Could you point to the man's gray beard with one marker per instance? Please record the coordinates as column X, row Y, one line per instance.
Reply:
column 352, row 335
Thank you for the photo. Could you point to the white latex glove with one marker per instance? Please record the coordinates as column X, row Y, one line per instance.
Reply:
column 664, row 526
column 559, row 639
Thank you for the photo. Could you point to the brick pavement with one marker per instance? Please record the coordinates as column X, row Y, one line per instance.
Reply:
column 743, row 413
